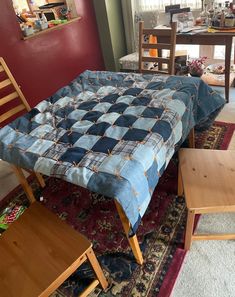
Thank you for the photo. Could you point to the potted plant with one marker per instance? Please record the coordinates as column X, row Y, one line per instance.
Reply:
column 196, row 66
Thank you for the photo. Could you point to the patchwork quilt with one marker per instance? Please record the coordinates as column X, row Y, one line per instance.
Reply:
column 113, row 133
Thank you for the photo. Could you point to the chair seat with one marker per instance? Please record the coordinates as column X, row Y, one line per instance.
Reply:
column 38, row 252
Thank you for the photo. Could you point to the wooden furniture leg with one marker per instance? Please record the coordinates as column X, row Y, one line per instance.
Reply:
column 24, row 183
column 228, row 48
column 191, row 138
column 133, row 241
column 189, row 229
column 39, row 178
column 97, row 269
column 180, row 183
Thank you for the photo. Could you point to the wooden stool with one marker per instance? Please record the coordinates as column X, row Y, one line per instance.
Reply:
column 39, row 252
column 207, row 179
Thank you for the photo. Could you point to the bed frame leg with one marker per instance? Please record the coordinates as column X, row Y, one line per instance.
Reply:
column 191, row 138
column 133, row 241
column 24, row 183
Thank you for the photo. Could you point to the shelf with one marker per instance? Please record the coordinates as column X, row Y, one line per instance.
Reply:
column 51, row 29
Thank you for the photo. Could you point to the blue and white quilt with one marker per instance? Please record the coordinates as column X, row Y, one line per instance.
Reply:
column 112, row 133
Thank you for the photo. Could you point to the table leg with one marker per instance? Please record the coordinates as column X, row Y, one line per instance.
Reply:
column 133, row 241
column 180, row 183
column 191, row 138
column 189, row 229
column 24, row 183
column 228, row 48
column 38, row 176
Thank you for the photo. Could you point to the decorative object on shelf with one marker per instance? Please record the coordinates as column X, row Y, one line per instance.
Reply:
column 196, row 66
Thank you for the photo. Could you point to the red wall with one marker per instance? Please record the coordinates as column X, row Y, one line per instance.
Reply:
column 43, row 64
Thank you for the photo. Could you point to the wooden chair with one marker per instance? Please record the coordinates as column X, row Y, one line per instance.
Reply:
column 170, row 46
column 206, row 178
column 39, row 251
column 11, row 93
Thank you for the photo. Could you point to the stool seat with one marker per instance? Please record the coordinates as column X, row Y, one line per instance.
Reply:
column 207, row 179
column 39, row 252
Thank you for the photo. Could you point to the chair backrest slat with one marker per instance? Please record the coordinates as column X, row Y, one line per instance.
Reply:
column 156, row 46
column 5, row 83
column 11, row 95
column 8, row 98
column 170, row 46
column 11, row 112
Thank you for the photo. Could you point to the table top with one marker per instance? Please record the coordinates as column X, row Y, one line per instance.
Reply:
column 208, row 179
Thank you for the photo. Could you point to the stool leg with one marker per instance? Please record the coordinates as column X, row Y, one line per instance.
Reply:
column 97, row 269
column 180, row 182
column 189, row 230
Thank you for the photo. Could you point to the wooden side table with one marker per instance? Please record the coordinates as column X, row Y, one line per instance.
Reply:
column 39, row 252
column 207, row 179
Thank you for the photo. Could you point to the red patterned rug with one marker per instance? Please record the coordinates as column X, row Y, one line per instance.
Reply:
column 160, row 233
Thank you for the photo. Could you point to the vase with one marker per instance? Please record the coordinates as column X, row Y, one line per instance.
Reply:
column 198, row 73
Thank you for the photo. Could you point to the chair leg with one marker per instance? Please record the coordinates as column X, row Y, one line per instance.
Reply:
column 191, row 138
column 189, row 230
column 97, row 269
column 133, row 241
column 24, row 183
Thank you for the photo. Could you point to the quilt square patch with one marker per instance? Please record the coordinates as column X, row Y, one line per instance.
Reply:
column 105, row 145
column 154, row 140
column 54, row 135
column 152, row 112
column 118, row 107
column 133, row 91
column 92, row 160
column 144, row 123
column 66, row 124
column 135, row 135
column 87, row 141
column 163, row 128
column 102, row 107
column 24, row 125
column 70, row 137
column 92, row 116
column 124, row 148
column 111, row 98
column 109, row 117
column 55, row 151
column 141, row 101
column 116, row 132
column 77, row 114
column 87, row 105
column 73, row 155
column 59, row 169
column 98, row 129
column 126, row 120
column 64, row 112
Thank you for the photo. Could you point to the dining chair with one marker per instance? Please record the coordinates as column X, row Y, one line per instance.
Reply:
column 158, row 61
column 11, row 95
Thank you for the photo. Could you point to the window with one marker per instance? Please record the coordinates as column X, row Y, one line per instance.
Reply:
column 160, row 4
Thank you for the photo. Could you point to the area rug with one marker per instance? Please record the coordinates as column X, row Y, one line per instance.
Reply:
column 160, row 233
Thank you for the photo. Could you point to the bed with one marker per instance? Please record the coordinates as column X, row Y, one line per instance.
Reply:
column 112, row 133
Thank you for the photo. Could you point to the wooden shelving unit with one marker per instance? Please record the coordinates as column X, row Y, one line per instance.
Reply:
column 57, row 27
